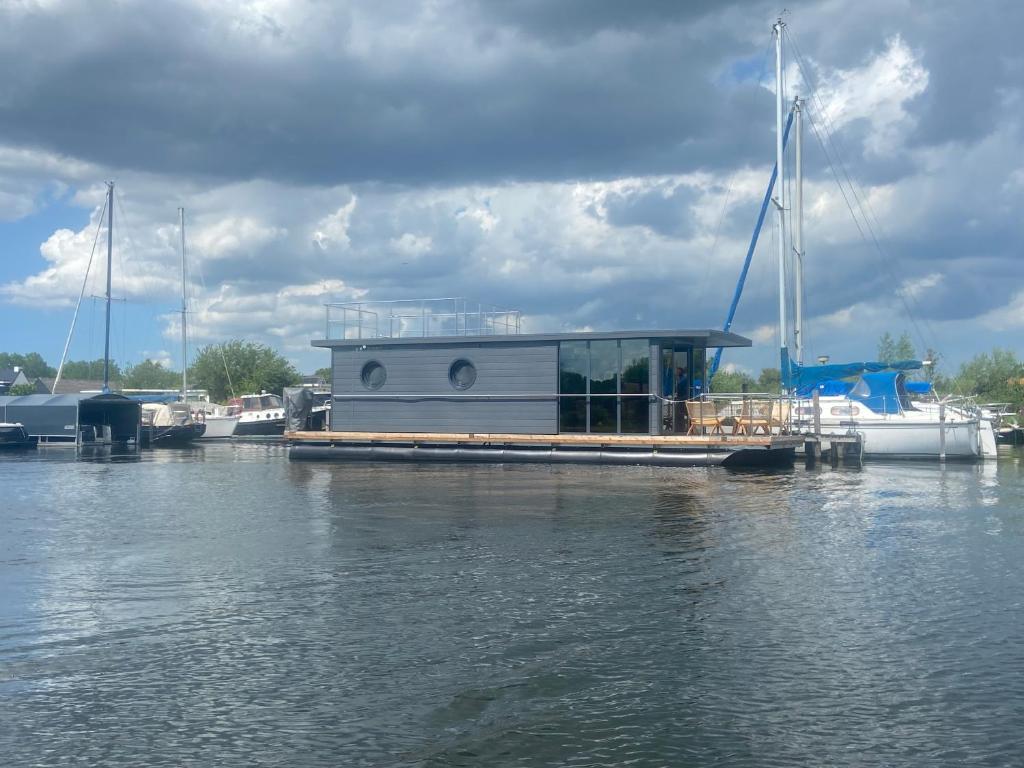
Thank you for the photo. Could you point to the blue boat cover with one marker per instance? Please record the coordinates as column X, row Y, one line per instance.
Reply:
column 882, row 392
column 805, row 378
column 830, row 388
column 918, row 387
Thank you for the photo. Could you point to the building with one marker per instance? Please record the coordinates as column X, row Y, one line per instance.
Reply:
column 12, row 377
column 420, row 380
column 74, row 419
column 44, row 385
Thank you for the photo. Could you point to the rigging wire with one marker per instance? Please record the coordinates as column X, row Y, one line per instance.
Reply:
column 729, row 186
column 126, row 236
column 78, row 304
column 862, row 201
column 220, row 347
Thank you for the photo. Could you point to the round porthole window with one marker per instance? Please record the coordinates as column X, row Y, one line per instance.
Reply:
column 374, row 375
column 462, row 374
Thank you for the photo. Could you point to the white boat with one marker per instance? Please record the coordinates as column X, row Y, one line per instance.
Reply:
column 261, row 414
column 879, row 409
column 218, row 426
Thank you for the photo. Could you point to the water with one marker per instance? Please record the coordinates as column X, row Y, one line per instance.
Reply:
column 222, row 606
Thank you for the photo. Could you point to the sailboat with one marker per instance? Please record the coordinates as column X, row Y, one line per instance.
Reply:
column 172, row 423
column 876, row 406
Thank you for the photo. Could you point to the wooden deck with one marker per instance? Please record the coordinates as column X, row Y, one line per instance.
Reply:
column 727, row 442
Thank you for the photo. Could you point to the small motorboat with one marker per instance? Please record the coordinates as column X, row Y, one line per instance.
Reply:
column 14, row 436
column 261, row 414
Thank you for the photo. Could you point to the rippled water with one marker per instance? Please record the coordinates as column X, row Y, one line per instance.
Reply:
column 222, row 606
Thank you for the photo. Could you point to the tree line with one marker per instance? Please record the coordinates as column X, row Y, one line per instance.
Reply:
column 232, row 368
column 992, row 377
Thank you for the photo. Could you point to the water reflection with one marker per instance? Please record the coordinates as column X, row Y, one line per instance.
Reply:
column 224, row 606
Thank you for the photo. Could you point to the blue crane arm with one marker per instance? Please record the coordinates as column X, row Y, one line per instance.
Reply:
column 750, row 251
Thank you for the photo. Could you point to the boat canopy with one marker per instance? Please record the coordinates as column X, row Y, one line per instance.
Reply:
column 830, row 388
column 883, row 392
column 806, row 378
column 918, row 387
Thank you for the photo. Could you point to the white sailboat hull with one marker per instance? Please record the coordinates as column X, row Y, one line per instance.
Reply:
column 910, row 434
column 907, row 439
column 220, row 427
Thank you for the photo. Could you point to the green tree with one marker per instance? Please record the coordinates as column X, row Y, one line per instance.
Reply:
column 21, row 389
column 89, row 369
column 323, row 373
column 252, row 367
column 32, row 364
column 150, row 375
column 732, row 381
column 769, row 381
column 891, row 350
column 995, row 377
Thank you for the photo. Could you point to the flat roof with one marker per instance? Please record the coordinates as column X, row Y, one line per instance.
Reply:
column 706, row 336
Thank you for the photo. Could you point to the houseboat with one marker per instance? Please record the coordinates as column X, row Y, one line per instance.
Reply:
column 467, row 386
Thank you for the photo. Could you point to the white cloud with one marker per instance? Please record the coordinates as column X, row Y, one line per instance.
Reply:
column 877, row 92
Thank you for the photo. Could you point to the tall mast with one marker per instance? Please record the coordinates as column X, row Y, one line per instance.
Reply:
column 798, row 234
column 780, row 204
column 110, row 260
column 184, row 311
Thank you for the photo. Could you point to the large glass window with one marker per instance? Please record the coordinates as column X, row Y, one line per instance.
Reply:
column 636, row 372
column 572, row 367
column 572, row 414
column 607, row 383
column 573, row 373
column 604, row 367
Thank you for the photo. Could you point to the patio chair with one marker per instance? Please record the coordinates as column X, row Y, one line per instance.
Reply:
column 703, row 416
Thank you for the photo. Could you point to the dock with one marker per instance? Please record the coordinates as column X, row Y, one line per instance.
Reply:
column 621, row 449
column 836, row 449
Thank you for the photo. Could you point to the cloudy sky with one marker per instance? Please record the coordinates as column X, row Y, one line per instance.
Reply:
column 594, row 163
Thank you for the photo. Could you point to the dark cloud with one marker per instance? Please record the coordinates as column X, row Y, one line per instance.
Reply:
column 664, row 210
column 167, row 88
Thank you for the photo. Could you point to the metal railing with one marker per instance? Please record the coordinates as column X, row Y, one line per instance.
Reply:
column 731, row 413
column 405, row 318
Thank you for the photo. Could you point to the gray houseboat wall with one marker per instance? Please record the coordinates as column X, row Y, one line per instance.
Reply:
column 542, row 384
column 453, row 387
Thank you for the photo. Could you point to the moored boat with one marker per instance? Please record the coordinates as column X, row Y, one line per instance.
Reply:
column 218, row 426
column 169, row 424
column 879, row 408
column 14, row 436
column 259, row 415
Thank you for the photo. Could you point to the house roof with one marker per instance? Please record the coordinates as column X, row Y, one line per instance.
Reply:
column 70, row 386
column 71, row 399
column 9, row 375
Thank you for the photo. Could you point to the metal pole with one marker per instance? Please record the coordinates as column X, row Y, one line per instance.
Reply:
column 780, row 205
column 184, row 310
column 942, row 431
column 110, row 261
column 817, row 412
column 750, row 250
column 798, row 235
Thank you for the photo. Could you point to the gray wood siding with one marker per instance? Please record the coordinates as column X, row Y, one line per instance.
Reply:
column 417, row 396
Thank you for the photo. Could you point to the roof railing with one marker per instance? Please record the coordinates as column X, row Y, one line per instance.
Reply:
column 405, row 318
